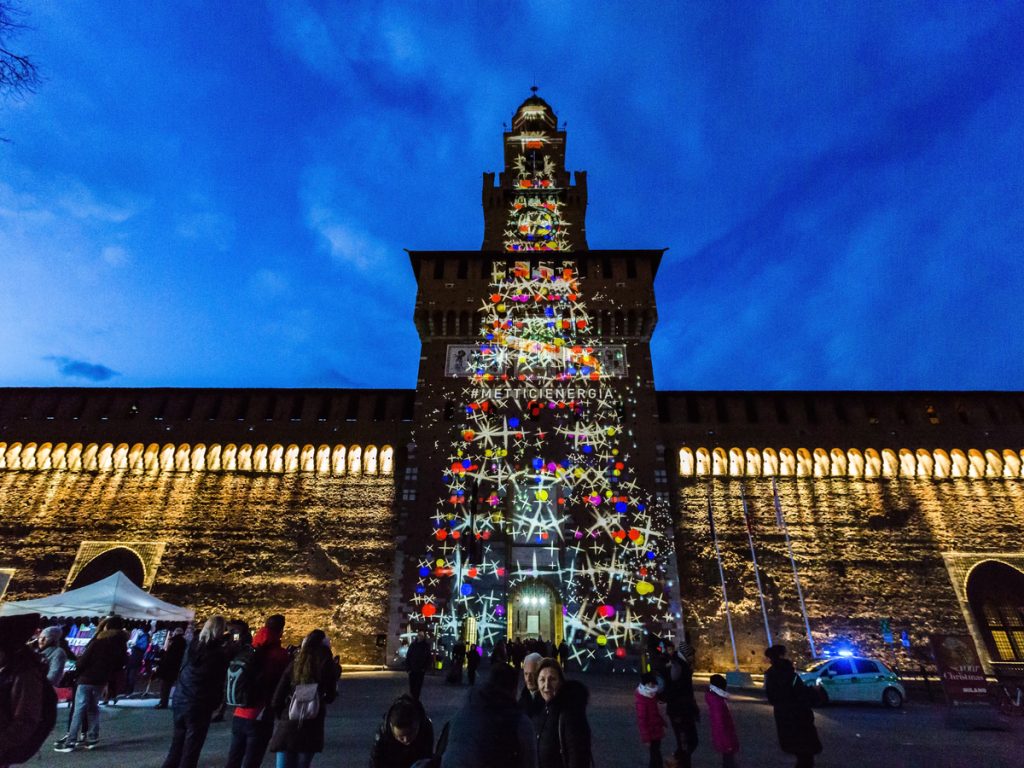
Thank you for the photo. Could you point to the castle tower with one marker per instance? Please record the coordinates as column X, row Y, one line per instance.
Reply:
column 535, row 206
column 533, row 504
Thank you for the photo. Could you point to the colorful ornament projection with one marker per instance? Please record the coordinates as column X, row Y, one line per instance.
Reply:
column 535, row 220
column 539, row 484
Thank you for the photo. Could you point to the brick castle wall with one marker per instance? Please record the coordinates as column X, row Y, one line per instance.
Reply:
column 319, row 549
column 866, row 550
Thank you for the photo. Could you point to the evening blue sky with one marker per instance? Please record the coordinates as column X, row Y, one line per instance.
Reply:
column 219, row 193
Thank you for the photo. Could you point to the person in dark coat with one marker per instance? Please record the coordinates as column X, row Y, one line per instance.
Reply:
column 681, row 704
column 472, row 663
column 791, row 701
column 405, row 736
column 297, row 741
column 102, row 659
column 251, row 727
column 530, row 701
column 197, row 694
column 490, row 731
column 563, row 654
column 23, row 684
column 170, row 665
column 458, row 660
column 417, row 661
column 563, row 733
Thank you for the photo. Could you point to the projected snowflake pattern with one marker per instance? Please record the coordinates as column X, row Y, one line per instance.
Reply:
column 540, row 461
column 535, row 220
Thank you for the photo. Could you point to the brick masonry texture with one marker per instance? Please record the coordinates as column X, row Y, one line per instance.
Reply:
column 319, row 549
column 866, row 550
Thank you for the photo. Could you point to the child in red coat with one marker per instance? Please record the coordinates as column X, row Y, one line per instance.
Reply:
column 648, row 717
column 723, row 729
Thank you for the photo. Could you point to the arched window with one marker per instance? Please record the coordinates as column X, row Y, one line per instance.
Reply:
column 213, row 457
column 307, row 459
column 736, row 462
column 787, row 463
column 198, row 463
column 43, row 456
column 822, row 465
column 107, row 564
column 182, row 458
column 753, row 460
column 994, row 591
column 275, row 458
column 355, row 459
column 105, row 457
column 976, row 464
column 770, row 466
column 958, row 463
column 259, row 458
column 838, row 463
column 854, row 463
column 370, row 460
column 119, row 459
column 245, row 458
column 1011, row 464
column 338, row 459
column 943, row 467
column 925, row 463
column 890, row 463
column 872, row 463
column 323, row 459
column 89, row 457
column 703, row 462
column 993, row 464
column 719, row 462
column 229, row 459
column 804, row 463
column 136, row 457
column 387, row 461
column 686, row 463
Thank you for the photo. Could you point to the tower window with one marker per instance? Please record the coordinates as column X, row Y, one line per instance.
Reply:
column 439, row 268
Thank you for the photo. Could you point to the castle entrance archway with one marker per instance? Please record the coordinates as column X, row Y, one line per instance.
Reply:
column 107, row 564
column 535, row 611
column 995, row 592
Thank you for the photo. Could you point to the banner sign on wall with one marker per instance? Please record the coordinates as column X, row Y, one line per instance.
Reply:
column 963, row 679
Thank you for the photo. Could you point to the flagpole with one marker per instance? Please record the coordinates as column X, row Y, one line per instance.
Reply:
column 757, row 573
column 721, row 574
column 796, row 577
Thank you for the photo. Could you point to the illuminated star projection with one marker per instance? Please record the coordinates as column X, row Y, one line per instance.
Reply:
column 535, row 221
column 538, row 482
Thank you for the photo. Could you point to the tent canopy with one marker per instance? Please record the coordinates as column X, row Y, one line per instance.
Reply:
column 115, row 595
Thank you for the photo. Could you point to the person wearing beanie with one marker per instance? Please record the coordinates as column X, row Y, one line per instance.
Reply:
column 648, row 717
column 252, row 727
column 723, row 729
column 54, row 656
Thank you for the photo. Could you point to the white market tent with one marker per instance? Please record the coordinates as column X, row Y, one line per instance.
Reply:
column 115, row 595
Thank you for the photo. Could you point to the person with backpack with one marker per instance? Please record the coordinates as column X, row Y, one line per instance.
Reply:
column 300, row 701
column 791, row 701
column 102, row 659
column 563, row 733
column 490, row 731
column 253, row 675
column 28, row 703
column 405, row 736
column 197, row 694
column 648, row 717
column 723, row 729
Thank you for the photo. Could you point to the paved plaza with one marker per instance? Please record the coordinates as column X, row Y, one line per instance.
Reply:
column 859, row 736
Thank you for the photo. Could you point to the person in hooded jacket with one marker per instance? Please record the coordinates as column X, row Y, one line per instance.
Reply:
column 563, row 733
column 53, row 655
column 197, row 694
column 723, row 729
column 296, row 742
column 251, row 727
column 102, row 659
column 405, row 736
column 490, row 731
column 24, row 724
column 648, row 717
column 791, row 701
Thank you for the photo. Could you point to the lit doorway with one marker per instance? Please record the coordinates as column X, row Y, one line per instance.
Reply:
column 535, row 611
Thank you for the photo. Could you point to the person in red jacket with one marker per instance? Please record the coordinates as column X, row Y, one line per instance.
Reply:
column 648, row 717
column 723, row 729
column 251, row 727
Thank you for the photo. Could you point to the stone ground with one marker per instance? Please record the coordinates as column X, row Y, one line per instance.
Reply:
column 137, row 735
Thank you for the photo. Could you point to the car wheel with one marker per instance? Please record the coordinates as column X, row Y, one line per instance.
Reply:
column 892, row 698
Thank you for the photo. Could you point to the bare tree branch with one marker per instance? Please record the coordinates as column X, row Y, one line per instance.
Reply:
column 18, row 73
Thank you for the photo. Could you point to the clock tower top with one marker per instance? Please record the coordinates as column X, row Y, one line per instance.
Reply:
column 536, row 205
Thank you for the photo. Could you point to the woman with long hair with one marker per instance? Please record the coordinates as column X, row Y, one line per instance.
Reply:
column 308, row 684
column 197, row 693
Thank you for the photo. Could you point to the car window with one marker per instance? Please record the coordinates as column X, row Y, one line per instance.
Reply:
column 865, row 667
column 841, row 667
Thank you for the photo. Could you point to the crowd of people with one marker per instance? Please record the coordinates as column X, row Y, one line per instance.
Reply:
column 525, row 713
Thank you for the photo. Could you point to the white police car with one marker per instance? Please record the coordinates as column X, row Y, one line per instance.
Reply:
column 854, row 678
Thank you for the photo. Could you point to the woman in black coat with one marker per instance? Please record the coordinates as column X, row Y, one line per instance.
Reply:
column 563, row 733
column 791, row 700
column 297, row 741
column 197, row 694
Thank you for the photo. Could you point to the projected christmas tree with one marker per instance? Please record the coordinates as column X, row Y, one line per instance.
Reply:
column 538, row 480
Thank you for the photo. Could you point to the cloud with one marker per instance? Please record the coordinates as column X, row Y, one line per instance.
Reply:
column 115, row 255
column 79, row 369
column 82, row 203
column 348, row 243
column 209, row 227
